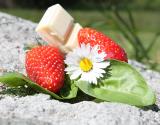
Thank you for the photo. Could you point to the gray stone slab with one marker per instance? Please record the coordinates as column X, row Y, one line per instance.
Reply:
column 41, row 110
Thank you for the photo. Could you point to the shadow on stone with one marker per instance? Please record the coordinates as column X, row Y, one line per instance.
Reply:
column 80, row 97
column 154, row 108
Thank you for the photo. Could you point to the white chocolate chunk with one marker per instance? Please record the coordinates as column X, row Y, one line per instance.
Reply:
column 72, row 41
column 55, row 25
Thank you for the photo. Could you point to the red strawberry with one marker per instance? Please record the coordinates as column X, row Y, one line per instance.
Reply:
column 45, row 66
column 111, row 48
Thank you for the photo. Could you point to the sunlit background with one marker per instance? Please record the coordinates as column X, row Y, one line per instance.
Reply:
column 134, row 24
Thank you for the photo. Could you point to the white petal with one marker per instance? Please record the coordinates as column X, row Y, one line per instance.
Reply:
column 71, row 68
column 84, row 77
column 97, row 75
column 83, row 48
column 95, row 49
column 89, row 76
column 101, row 64
column 78, row 52
column 87, row 50
column 72, row 61
column 84, row 51
column 99, row 57
column 102, row 54
column 76, row 74
column 98, row 70
column 94, row 79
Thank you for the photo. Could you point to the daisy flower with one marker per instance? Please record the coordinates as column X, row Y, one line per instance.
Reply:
column 86, row 63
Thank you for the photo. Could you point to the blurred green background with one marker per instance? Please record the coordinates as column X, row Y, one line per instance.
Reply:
column 134, row 24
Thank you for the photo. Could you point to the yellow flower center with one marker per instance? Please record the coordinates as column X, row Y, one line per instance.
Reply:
column 85, row 64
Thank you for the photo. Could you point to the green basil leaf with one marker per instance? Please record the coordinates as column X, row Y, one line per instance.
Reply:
column 13, row 79
column 123, row 84
column 69, row 90
column 38, row 88
column 17, row 79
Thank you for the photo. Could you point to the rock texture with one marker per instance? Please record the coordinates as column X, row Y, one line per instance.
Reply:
column 40, row 109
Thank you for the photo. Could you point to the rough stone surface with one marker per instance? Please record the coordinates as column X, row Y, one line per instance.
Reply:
column 40, row 109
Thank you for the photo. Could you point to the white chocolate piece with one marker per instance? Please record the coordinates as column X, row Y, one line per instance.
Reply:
column 50, row 39
column 55, row 25
column 72, row 41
